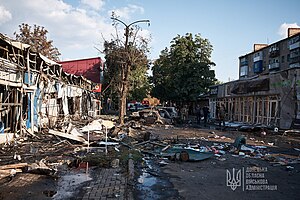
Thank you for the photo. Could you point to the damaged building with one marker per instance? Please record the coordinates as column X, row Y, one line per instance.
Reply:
column 35, row 92
column 92, row 69
column 268, row 89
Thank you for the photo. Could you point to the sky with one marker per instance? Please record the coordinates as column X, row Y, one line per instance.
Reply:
column 78, row 28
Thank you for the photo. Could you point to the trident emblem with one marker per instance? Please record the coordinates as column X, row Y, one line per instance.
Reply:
column 233, row 180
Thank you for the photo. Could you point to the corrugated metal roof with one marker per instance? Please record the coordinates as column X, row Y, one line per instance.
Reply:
column 89, row 68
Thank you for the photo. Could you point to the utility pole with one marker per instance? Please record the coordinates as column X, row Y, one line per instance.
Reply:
column 126, row 68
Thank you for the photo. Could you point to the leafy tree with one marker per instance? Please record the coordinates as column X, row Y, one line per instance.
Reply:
column 162, row 77
column 184, row 71
column 140, row 83
column 37, row 38
column 124, row 57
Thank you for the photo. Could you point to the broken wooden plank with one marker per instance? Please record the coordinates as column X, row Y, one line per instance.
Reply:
column 158, row 144
column 30, row 132
column 9, row 172
column 6, row 172
column 142, row 143
column 68, row 136
column 13, row 166
column 165, row 148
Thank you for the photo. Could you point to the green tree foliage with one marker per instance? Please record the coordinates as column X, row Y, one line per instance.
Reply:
column 139, row 81
column 184, row 71
column 124, row 57
column 37, row 38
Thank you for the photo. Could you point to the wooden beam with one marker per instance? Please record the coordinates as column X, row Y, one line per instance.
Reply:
column 13, row 166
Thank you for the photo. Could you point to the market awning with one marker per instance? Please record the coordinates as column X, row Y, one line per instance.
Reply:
column 251, row 86
column 259, row 85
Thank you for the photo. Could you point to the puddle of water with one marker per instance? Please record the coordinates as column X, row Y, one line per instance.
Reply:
column 153, row 184
column 69, row 183
column 146, row 180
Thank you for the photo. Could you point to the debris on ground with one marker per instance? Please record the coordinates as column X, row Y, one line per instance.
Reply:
column 102, row 143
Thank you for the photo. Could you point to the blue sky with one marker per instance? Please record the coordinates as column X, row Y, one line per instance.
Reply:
column 232, row 26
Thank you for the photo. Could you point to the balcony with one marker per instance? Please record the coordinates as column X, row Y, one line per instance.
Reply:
column 274, row 52
column 243, row 61
column 294, row 59
column 294, row 45
column 294, row 65
column 257, row 57
column 274, row 66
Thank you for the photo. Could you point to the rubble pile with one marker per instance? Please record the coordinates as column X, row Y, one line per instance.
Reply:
column 69, row 143
column 102, row 143
column 43, row 152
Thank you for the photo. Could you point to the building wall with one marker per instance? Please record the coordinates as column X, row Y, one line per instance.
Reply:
column 29, row 89
column 274, row 57
column 274, row 102
column 277, row 104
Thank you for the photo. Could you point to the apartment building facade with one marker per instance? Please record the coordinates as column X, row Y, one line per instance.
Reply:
column 268, row 89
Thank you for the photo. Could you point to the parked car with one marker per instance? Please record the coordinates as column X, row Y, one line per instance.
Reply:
column 135, row 107
column 172, row 111
column 164, row 113
column 151, row 116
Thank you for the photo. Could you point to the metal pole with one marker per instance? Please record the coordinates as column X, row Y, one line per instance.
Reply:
column 105, row 140
column 88, row 140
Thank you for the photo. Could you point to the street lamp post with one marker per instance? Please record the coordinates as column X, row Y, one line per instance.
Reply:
column 127, row 27
column 126, row 69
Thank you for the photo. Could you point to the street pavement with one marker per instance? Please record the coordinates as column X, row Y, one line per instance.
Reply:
column 109, row 184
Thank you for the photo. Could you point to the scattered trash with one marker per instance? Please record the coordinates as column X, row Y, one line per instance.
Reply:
column 68, row 136
column 221, row 159
column 297, row 149
column 222, row 152
column 17, row 157
column 41, row 168
column 241, row 153
column 240, row 140
column 263, row 133
column 245, row 148
column 115, row 163
column 163, row 163
column 203, row 138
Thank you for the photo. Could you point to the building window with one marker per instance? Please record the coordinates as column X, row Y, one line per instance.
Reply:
column 244, row 71
column 282, row 59
column 258, row 66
